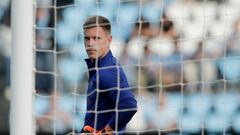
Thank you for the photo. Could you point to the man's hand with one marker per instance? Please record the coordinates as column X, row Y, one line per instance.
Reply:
column 88, row 130
column 108, row 130
column 91, row 131
column 88, row 134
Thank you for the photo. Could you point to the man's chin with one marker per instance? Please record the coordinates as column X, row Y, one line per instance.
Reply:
column 94, row 57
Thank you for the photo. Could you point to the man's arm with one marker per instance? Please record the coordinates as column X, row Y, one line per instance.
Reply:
column 121, row 96
column 126, row 108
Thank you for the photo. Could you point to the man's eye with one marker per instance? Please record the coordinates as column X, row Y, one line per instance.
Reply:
column 97, row 38
column 86, row 38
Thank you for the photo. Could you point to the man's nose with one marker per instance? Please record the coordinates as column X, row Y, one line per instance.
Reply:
column 91, row 42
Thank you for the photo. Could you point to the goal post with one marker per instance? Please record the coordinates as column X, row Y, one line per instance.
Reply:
column 22, row 77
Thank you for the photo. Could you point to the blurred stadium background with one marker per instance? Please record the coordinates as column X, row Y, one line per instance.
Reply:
column 182, row 59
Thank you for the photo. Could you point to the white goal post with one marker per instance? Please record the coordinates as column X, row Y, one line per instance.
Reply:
column 22, row 81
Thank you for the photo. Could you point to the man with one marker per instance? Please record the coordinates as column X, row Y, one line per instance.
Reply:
column 110, row 102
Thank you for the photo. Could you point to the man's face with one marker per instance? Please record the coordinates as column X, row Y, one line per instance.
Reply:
column 97, row 42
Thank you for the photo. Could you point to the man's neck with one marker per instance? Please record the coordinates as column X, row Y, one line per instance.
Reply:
column 92, row 60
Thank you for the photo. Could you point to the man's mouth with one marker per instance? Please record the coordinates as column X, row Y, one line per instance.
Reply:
column 91, row 50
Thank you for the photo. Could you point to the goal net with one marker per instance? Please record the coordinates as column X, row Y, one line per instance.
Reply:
column 181, row 58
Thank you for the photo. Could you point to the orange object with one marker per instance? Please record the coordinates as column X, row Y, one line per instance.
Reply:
column 90, row 129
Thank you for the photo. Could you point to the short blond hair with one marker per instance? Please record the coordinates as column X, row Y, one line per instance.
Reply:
column 98, row 21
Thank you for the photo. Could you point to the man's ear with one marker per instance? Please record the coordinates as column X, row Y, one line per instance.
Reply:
column 109, row 38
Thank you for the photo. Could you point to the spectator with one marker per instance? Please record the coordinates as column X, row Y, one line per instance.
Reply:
column 158, row 114
column 151, row 69
column 172, row 66
column 5, row 47
column 233, row 48
column 5, row 52
column 44, row 60
column 54, row 114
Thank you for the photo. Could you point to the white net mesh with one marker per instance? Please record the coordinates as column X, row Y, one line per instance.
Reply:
column 181, row 58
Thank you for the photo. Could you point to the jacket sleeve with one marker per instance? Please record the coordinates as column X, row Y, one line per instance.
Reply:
column 126, row 108
column 122, row 96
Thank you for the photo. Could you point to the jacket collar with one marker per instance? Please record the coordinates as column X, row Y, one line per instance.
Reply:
column 100, row 62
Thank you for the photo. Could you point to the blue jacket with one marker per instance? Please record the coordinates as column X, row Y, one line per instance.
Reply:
column 109, row 100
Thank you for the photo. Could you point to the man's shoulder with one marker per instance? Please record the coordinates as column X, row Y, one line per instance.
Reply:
column 110, row 66
column 108, row 78
column 112, row 61
column 108, row 72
